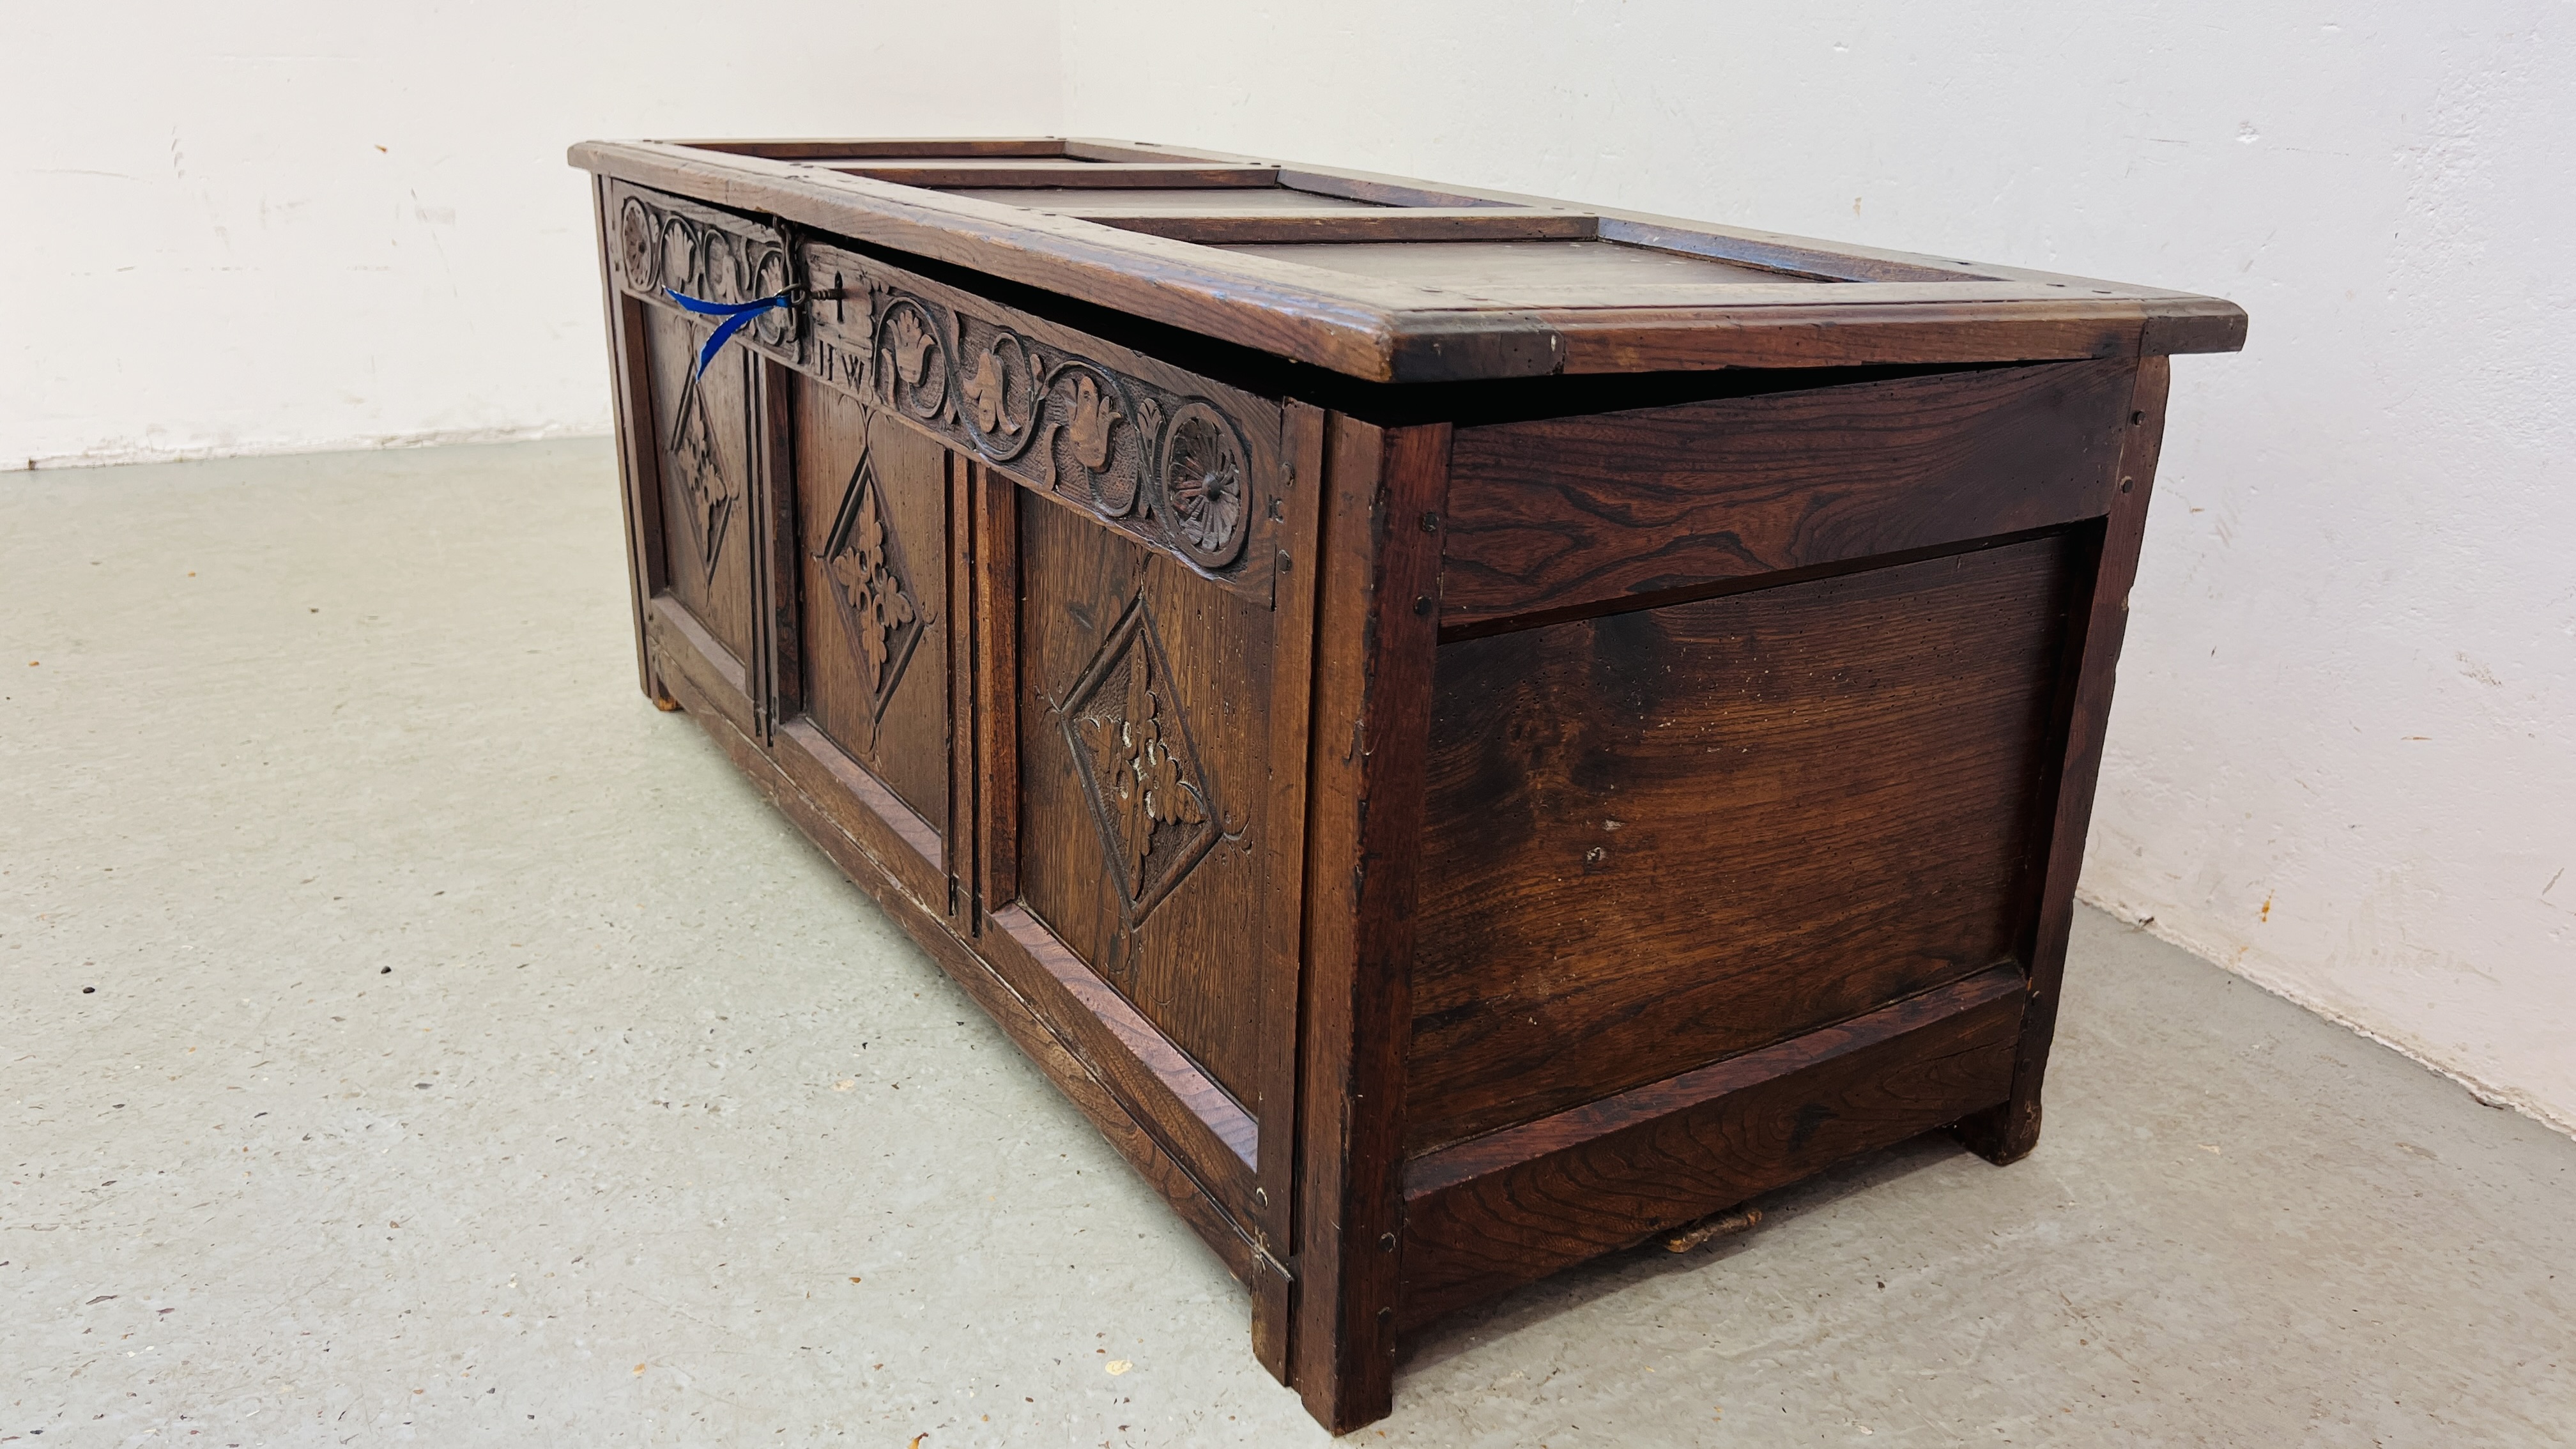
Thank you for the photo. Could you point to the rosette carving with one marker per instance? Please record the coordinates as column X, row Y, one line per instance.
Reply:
column 639, row 245
column 1203, row 485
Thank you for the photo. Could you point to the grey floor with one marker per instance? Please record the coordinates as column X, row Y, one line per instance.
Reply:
column 409, row 1036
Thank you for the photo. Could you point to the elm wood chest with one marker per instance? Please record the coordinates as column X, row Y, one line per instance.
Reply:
column 1462, row 731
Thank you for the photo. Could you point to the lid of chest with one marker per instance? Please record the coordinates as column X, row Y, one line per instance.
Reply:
column 1393, row 280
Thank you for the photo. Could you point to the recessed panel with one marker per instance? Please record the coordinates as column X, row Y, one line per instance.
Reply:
column 702, row 437
column 1470, row 265
column 1665, row 836
column 1145, row 703
column 1220, row 200
column 872, row 526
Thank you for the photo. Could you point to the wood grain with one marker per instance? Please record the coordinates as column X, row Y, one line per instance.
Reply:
column 1638, row 759
column 2010, row 1131
column 1171, row 1066
column 631, row 424
column 995, row 566
column 1289, row 746
column 1666, row 836
column 899, row 732
column 703, row 448
column 1613, row 509
column 677, row 645
column 1212, row 227
column 1376, row 633
column 1502, row 1210
column 1189, row 958
column 1030, row 436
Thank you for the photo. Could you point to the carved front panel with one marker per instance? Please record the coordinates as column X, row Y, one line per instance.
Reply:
column 871, row 505
column 1185, row 465
column 702, row 442
column 1144, row 706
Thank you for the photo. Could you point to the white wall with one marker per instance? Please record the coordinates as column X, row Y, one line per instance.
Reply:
column 2343, row 759
column 292, row 224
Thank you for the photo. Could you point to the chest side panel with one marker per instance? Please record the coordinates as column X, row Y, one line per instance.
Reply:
column 1661, row 837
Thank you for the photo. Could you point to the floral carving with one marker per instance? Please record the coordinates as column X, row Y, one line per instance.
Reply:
column 769, row 277
column 864, row 561
column 638, row 245
column 1176, row 472
column 1141, row 783
column 679, row 254
column 707, row 491
column 1087, row 423
column 907, row 347
column 984, row 389
column 1155, row 812
column 875, row 594
column 912, row 363
column 1203, row 484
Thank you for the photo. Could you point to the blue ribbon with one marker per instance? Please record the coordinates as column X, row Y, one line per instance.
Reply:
column 735, row 315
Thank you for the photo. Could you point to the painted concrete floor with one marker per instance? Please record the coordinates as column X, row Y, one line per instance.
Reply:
column 411, row 1037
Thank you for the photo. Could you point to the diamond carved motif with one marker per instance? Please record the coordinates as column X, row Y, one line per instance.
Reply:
column 1155, row 807
column 880, row 614
column 708, row 492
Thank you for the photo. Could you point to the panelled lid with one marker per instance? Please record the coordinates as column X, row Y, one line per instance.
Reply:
column 1392, row 280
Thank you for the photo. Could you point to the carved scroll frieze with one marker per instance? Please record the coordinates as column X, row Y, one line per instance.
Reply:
column 1154, row 805
column 1173, row 467
column 1168, row 467
column 664, row 243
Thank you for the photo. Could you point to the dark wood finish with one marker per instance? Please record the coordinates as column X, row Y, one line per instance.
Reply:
column 994, row 559
column 1061, row 411
column 776, row 579
column 1438, row 833
column 1670, row 835
column 1376, row 632
column 632, row 427
column 1143, row 789
column 2010, row 1131
column 873, row 552
column 702, row 439
column 1516, row 1205
column 1550, row 515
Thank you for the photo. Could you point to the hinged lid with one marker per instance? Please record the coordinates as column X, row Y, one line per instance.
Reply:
column 1392, row 280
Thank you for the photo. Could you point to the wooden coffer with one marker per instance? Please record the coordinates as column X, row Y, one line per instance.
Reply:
column 1462, row 731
